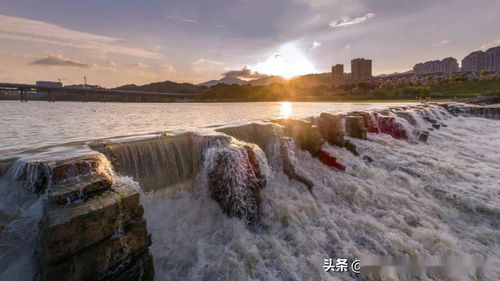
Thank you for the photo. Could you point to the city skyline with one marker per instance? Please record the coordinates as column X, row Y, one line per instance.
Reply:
column 162, row 40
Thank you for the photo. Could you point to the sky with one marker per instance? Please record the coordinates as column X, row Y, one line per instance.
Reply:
column 121, row 42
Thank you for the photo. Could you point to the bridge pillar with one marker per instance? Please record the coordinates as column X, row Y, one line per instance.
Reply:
column 51, row 96
column 85, row 97
column 24, row 96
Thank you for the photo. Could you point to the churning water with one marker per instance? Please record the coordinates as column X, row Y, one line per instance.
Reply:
column 397, row 198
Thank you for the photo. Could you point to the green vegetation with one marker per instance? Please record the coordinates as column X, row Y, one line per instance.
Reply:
column 436, row 88
column 468, row 88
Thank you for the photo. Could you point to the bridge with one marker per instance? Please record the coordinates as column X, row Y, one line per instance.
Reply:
column 100, row 94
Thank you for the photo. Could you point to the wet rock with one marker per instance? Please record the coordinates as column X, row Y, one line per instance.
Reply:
column 105, row 259
column 330, row 161
column 388, row 125
column 369, row 122
column 235, row 180
column 436, row 126
column 81, row 189
column 423, row 136
column 289, row 165
column 141, row 268
column 78, row 166
column 69, row 228
column 430, row 120
column 351, row 147
column 306, row 135
column 355, row 127
column 367, row 158
column 331, row 129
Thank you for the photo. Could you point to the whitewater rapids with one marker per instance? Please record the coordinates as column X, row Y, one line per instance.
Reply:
column 440, row 199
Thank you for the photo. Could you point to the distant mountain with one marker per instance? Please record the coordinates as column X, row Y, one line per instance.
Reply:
column 312, row 80
column 162, row 87
column 267, row 80
column 305, row 81
column 226, row 80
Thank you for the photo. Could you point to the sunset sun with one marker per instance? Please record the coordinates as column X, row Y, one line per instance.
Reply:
column 288, row 62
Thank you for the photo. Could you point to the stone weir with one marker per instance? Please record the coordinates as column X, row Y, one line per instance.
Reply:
column 491, row 112
column 92, row 227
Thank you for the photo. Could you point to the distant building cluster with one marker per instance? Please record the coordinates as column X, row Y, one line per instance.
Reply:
column 478, row 61
column 472, row 65
column 361, row 70
column 447, row 66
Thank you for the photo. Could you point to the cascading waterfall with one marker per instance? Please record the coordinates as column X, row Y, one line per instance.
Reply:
column 259, row 201
column 20, row 212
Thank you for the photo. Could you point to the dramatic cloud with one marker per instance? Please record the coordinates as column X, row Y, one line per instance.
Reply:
column 347, row 21
column 490, row 44
column 58, row 60
column 15, row 28
column 244, row 73
column 444, row 42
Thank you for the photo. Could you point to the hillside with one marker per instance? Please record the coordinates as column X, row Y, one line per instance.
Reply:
column 163, row 87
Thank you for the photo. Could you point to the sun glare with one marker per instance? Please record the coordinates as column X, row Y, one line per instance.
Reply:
column 286, row 109
column 288, row 62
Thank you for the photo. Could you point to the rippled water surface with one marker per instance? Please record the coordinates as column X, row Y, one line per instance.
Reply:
column 37, row 124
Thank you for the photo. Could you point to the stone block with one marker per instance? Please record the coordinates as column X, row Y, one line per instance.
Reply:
column 106, row 259
column 69, row 228
column 81, row 189
column 355, row 127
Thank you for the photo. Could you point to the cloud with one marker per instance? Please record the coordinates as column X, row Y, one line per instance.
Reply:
column 244, row 73
column 316, row 45
column 206, row 61
column 347, row 21
column 175, row 16
column 15, row 28
column 490, row 44
column 444, row 42
column 139, row 65
column 58, row 60
column 167, row 68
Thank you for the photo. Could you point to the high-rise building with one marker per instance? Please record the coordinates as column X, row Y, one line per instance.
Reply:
column 479, row 60
column 447, row 65
column 492, row 59
column 361, row 69
column 338, row 75
column 474, row 62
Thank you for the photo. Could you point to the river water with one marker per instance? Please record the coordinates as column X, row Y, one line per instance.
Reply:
column 411, row 199
column 38, row 124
